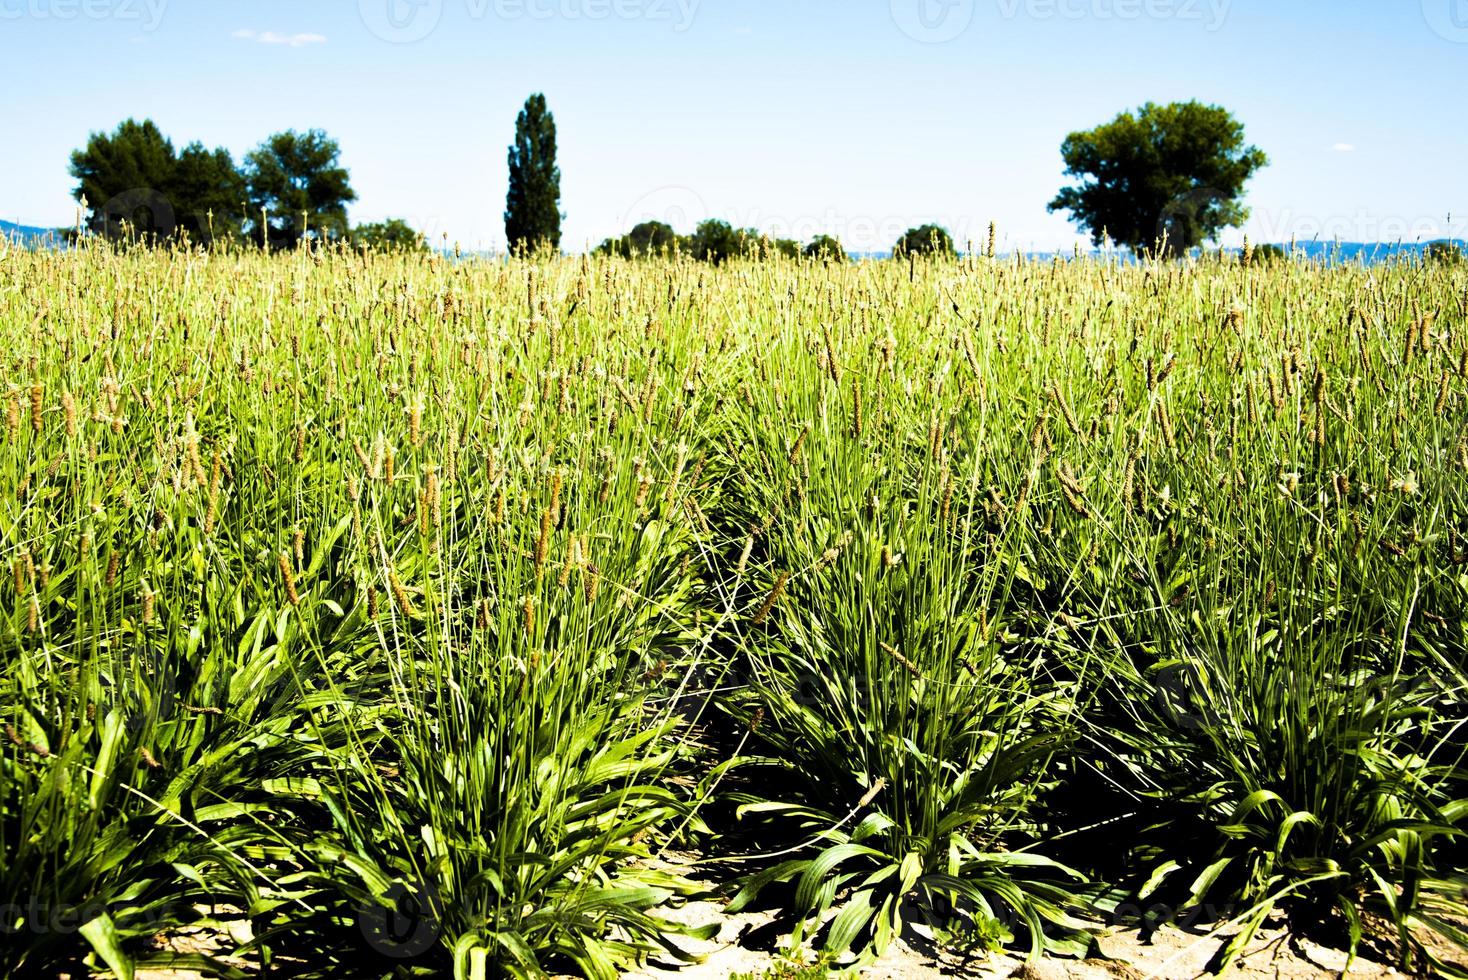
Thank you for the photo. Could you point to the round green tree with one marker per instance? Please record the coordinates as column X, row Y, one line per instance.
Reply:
column 298, row 188
column 1165, row 176
column 925, row 240
column 826, row 246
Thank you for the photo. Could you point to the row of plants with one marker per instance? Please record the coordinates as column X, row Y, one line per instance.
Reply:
column 414, row 612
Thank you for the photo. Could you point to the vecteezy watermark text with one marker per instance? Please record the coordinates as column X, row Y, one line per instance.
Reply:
column 1211, row 13
column 406, row 21
column 1362, row 225
column 936, row 21
column 148, row 13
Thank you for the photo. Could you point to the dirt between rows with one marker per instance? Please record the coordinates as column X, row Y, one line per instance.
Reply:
column 751, row 943
column 1170, row 954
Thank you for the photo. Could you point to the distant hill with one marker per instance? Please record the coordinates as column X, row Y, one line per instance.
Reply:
column 1367, row 253
column 28, row 236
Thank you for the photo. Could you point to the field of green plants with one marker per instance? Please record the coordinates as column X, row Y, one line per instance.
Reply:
column 415, row 610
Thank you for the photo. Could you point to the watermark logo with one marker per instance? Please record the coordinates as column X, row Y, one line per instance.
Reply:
column 143, row 209
column 1186, row 219
column 1182, row 697
column 679, row 13
column 1448, row 19
column 933, row 21
column 681, row 208
column 36, row 916
column 401, row 21
column 405, row 923
column 948, row 921
column 1362, row 225
column 148, row 14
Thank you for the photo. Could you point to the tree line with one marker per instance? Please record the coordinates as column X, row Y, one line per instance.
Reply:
column 1160, row 178
column 715, row 240
column 289, row 188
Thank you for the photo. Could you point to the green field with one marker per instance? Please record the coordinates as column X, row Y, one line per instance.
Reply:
column 997, row 597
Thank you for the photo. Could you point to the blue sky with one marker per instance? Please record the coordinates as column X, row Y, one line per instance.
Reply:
column 853, row 117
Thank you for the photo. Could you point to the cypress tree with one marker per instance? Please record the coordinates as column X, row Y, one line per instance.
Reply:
column 533, row 205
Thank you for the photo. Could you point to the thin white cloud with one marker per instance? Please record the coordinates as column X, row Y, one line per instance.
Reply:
column 1344, row 147
column 272, row 37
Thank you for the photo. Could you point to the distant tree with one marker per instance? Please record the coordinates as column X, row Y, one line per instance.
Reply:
column 295, row 178
column 1267, row 254
column 827, row 247
column 126, row 178
column 717, row 241
column 651, row 237
column 209, row 194
column 1166, row 171
column 533, row 204
column 392, row 235
column 134, row 183
column 1449, row 253
column 925, row 240
column 646, row 239
column 786, row 247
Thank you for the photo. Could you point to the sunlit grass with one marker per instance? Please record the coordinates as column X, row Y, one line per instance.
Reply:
column 343, row 585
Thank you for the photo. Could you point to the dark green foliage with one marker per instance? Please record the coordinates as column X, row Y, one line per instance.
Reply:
column 714, row 241
column 1263, row 254
column 394, row 234
column 925, row 240
column 718, row 241
column 533, row 204
column 297, row 181
column 825, row 246
column 210, row 193
column 787, row 247
column 134, row 183
column 1172, row 171
column 650, row 238
column 1448, row 252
